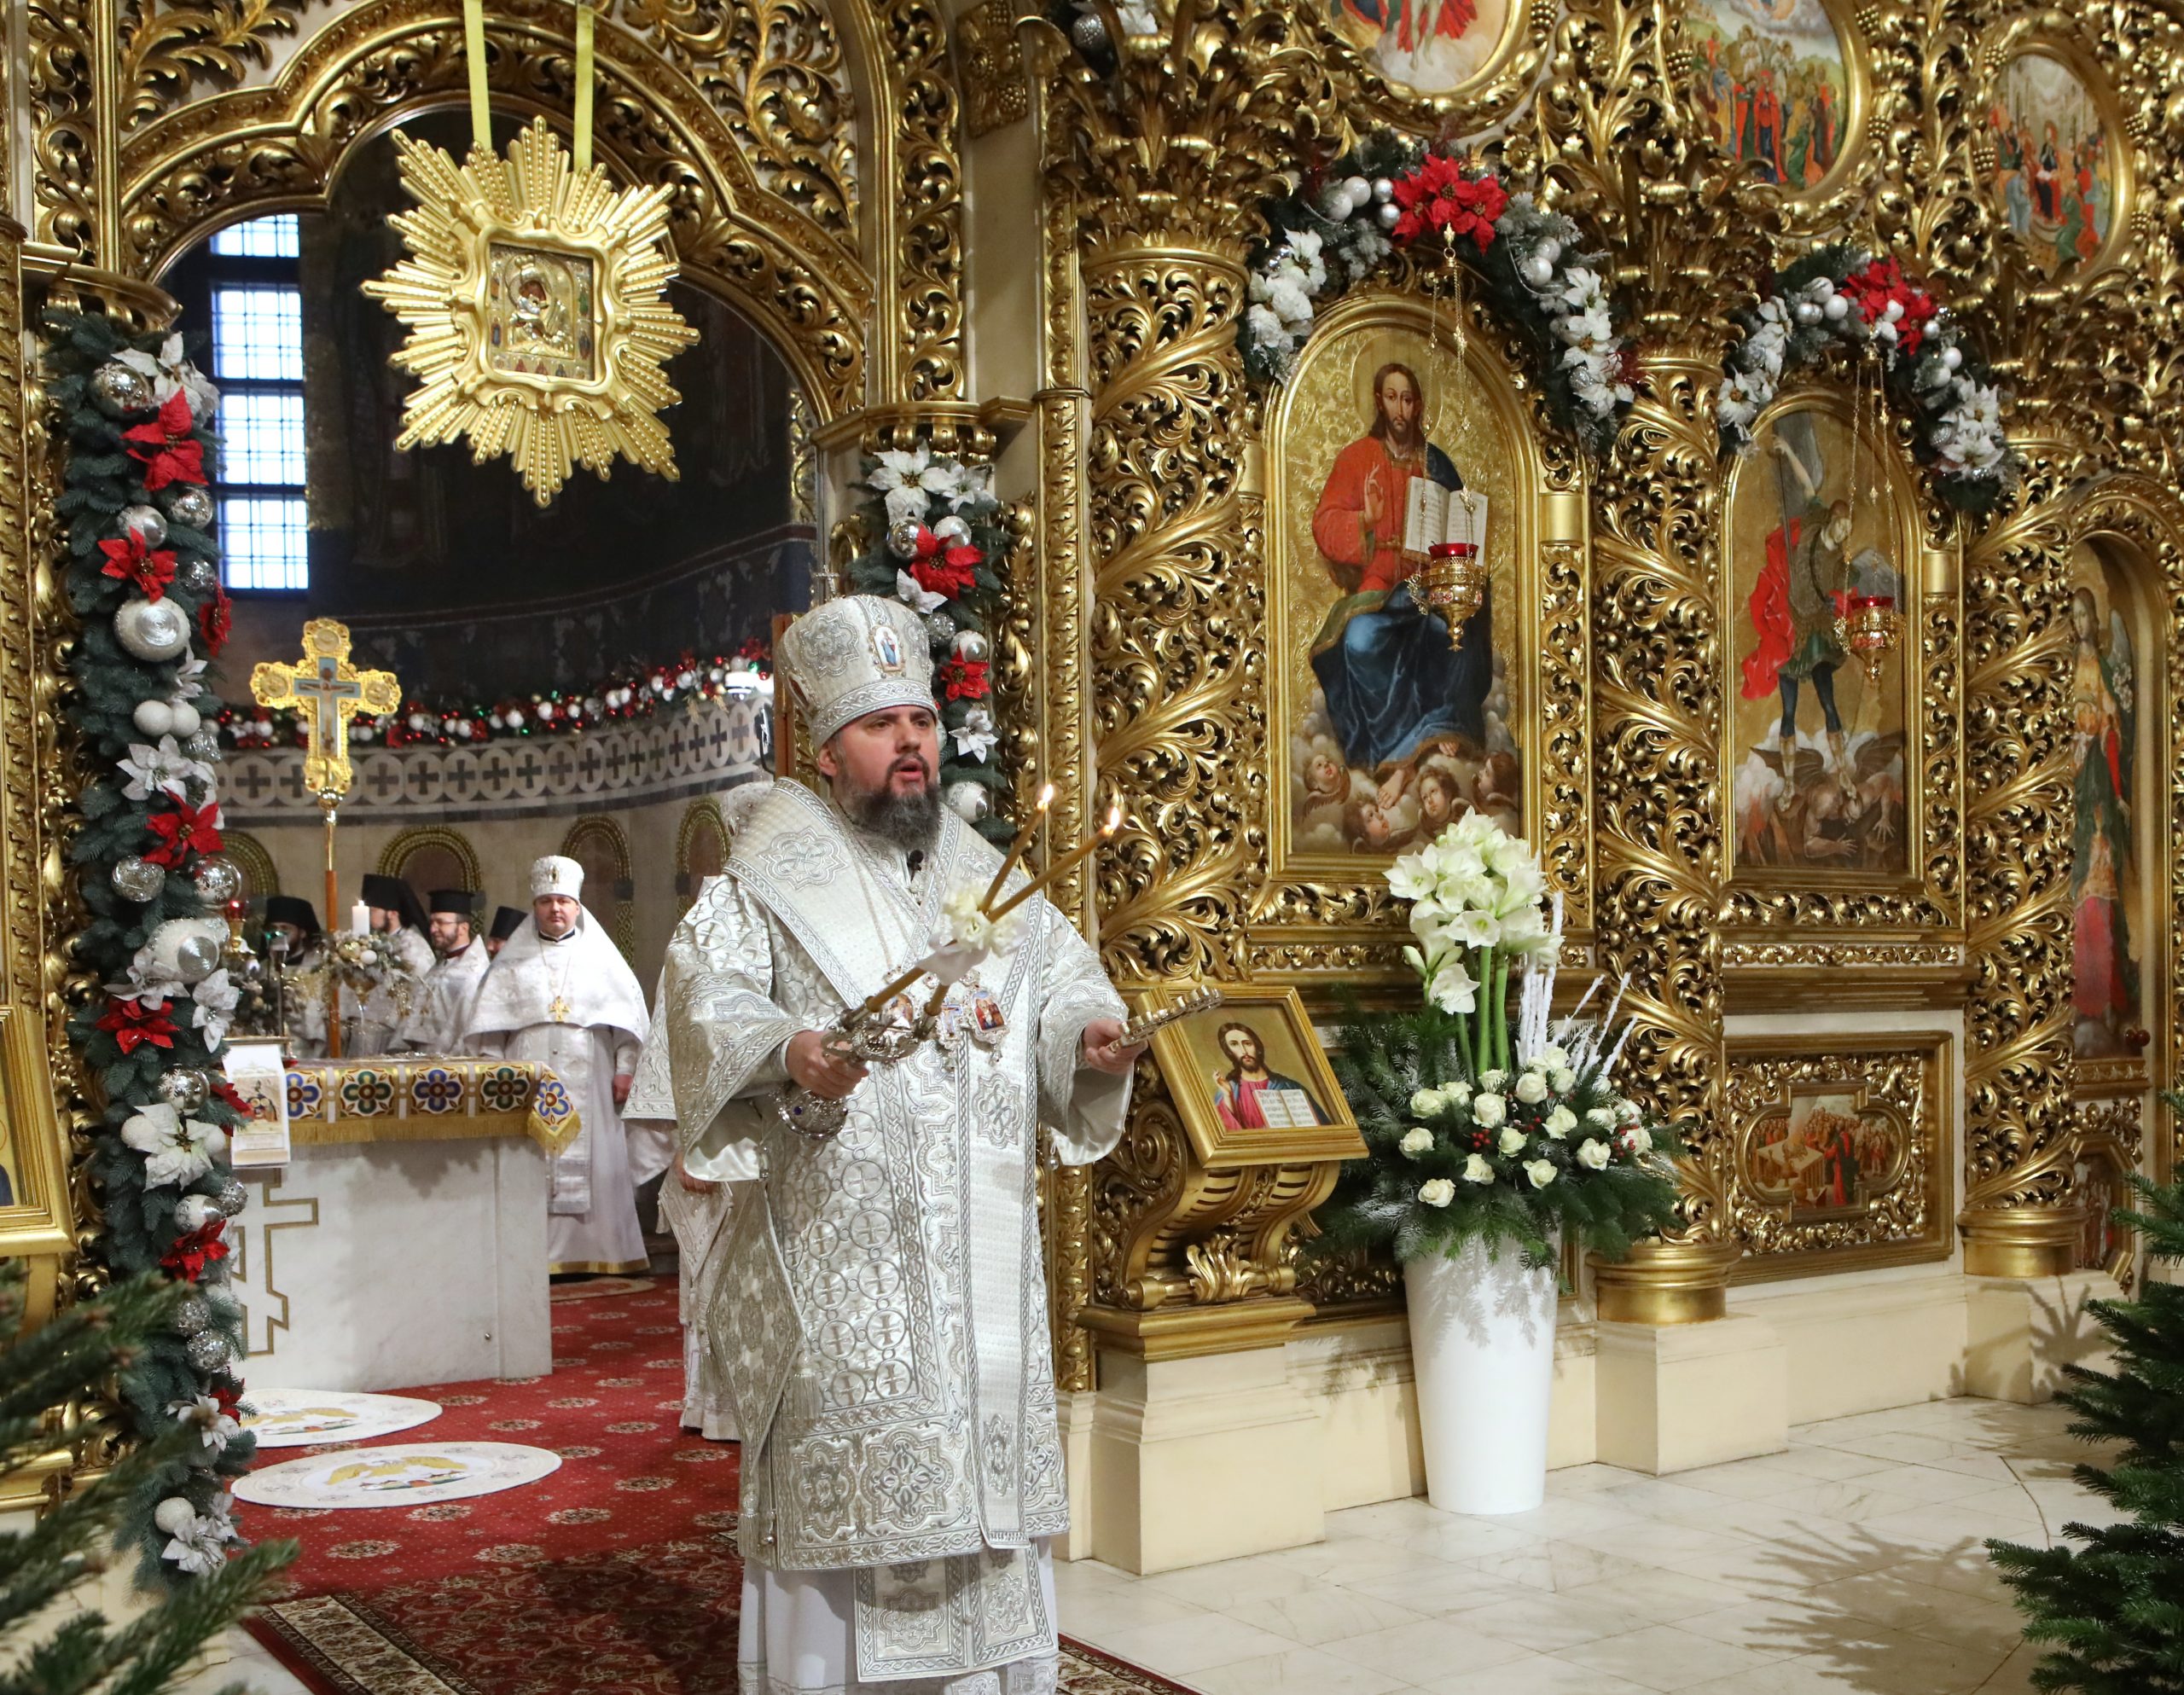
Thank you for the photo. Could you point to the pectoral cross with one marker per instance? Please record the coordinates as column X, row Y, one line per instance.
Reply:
column 558, row 1009
column 328, row 691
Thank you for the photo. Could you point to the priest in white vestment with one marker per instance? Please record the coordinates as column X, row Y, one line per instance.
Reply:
column 294, row 921
column 375, row 1027
column 442, row 1011
column 561, row 994
column 880, row 1316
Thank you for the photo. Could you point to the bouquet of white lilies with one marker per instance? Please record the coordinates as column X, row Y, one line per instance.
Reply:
column 1477, row 1126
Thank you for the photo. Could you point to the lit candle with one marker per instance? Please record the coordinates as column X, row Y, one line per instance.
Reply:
column 360, row 918
column 1017, row 848
column 1114, row 823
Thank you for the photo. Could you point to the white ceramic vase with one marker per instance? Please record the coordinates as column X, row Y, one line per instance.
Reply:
column 1482, row 1349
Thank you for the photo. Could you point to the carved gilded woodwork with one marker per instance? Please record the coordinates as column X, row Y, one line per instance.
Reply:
column 1845, row 1153
column 167, row 50
column 284, row 143
column 996, row 90
column 2108, row 1147
column 918, row 263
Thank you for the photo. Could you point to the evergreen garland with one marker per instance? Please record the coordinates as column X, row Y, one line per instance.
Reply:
column 63, row 1360
column 2111, row 1608
column 912, row 552
column 150, row 1040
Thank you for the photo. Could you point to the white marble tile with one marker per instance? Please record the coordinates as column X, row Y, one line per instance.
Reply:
column 1304, row 1671
column 1567, row 1566
column 1889, row 1599
column 1545, row 1622
column 1542, row 1674
column 1575, row 1480
column 1667, row 1596
column 1103, row 1614
column 1850, row 1500
column 1323, row 1615
column 1181, row 1646
column 1434, row 1588
column 1431, row 1648
column 1828, row 1465
column 1668, row 1658
column 1230, row 1583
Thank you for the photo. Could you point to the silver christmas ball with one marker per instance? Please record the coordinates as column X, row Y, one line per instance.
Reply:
column 185, row 1090
column 117, row 391
column 194, row 1212
column 902, row 538
column 1390, row 216
column 175, row 1515
column 193, row 1317
column 233, row 1197
column 939, row 628
column 969, row 801
column 189, row 505
column 1539, row 270
column 145, row 524
column 1358, row 189
column 152, row 631
column 196, row 958
column 204, row 746
column 155, row 718
column 970, row 645
column 1089, row 34
column 209, row 1351
column 952, row 530
column 1384, row 190
column 138, row 879
column 218, row 880
column 198, row 576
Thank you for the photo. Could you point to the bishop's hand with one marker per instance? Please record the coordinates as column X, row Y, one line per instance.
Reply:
column 1100, row 1049
column 822, row 1061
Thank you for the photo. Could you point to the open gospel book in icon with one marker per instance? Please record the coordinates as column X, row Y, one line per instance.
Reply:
column 1433, row 516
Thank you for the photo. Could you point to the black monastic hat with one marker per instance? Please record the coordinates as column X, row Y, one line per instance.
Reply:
column 394, row 895
column 460, row 901
column 292, row 909
column 507, row 921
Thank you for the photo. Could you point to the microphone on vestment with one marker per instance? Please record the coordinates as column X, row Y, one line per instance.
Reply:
column 917, row 860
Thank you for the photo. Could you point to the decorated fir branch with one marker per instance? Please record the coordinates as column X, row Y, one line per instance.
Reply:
column 1479, row 1127
column 934, row 539
column 2106, row 1602
column 64, row 1361
column 1350, row 218
column 142, row 575
column 1840, row 295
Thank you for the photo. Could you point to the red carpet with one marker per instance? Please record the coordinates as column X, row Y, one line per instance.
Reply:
column 616, row 1575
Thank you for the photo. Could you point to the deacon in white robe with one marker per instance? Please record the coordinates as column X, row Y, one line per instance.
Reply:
column 879, row 1317
column 561, row 994
column 442, row 1012
column 376, row 1026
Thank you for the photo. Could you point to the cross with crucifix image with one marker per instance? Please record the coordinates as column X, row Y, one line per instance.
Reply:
column 328, row 692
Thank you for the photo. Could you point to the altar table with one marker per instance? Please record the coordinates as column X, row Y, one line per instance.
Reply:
column 405, row 1243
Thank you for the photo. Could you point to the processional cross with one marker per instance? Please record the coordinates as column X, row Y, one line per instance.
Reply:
column 328, row 691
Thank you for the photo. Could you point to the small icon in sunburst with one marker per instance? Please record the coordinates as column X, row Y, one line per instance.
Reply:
column 534, row 297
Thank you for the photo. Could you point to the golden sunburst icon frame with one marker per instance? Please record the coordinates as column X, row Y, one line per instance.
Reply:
column 535, row 299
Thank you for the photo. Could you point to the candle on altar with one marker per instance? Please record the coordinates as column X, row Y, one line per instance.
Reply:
column 360, row 918
column 1106, row 831
column 1017, row 848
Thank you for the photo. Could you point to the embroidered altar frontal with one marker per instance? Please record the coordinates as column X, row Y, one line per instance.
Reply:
column 428, row 1098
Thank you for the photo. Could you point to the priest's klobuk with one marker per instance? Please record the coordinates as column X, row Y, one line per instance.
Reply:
column 855, row 655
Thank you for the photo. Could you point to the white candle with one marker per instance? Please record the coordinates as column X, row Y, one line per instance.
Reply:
column 360, row 918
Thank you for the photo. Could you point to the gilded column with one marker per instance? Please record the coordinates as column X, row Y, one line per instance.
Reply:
column 1160, row 147
column 2018, row 1218
column 1657, row 803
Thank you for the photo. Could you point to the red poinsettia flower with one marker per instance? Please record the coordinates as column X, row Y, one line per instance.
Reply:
column 165, row 448
column 231, row 1098
column 194, row 1249
column 183, row 829
column 941, row 569
column 128, row 560
column 230, row 1396
column 214, row 619
column 1883, row 284
column 1439, row 196
column 965, row 679
column 131, row 1023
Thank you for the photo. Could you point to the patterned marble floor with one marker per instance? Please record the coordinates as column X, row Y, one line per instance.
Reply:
column 1850, row 1564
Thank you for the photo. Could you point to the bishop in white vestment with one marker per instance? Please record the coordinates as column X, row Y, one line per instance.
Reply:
column 442, row 1010
column 561, row 995
column 881, row 1314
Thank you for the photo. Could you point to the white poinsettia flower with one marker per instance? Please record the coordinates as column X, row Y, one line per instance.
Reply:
column 1586, row 329
column 162, row 768
column 912, row 592
column 176, row 1150
column 972, row 744
column 217, row 1426
column 213, row 1001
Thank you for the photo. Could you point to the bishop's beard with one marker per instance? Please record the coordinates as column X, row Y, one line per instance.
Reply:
column 910, row 822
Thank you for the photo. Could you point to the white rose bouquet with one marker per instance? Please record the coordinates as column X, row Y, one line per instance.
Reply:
column 1477, row 1126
